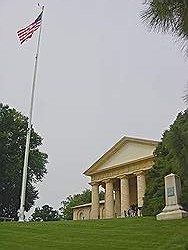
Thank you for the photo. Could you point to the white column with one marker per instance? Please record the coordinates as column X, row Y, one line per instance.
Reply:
column 125, row 197
column 95, row 201
column 109, row 199
column 141, row 187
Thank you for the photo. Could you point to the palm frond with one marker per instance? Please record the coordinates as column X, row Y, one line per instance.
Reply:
column 166, row 16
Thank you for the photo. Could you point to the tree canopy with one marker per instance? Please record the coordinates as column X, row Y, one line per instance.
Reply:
column 13, row 129
column 75, row 200
column 171, row 156
column 46, row 213
column 170, row 16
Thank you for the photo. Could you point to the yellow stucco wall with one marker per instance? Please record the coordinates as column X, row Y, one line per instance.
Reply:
column 83, row 212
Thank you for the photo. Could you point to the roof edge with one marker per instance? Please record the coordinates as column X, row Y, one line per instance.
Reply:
column 115, row 147
column 87, row 204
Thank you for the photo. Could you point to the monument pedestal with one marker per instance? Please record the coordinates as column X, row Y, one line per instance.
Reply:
column 172, row 214
column 173, row 209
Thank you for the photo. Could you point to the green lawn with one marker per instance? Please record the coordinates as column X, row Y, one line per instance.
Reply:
column 129, row 233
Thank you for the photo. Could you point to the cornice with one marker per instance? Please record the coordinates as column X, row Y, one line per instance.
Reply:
column 130, row 168
column 140, row 160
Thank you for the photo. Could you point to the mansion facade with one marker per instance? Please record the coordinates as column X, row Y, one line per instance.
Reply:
column 120, row 172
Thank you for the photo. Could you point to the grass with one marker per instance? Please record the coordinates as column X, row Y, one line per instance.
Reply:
column 130, row 233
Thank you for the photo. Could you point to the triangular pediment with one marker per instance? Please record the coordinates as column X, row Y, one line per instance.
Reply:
column 126, row 150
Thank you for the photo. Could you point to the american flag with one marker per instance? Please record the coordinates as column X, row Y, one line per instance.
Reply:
column 27, row 32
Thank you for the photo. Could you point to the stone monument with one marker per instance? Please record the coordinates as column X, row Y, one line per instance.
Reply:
column 173, row 208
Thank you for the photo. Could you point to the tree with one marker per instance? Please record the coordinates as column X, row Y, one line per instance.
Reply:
column 171, row 156
column 46, row 213
column 13, row 129
column 75, row 200
column 168, row 16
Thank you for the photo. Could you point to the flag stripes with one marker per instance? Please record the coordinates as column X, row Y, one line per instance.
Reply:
column 27, row 32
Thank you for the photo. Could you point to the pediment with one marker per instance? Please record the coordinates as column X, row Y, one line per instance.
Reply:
column 124, row 151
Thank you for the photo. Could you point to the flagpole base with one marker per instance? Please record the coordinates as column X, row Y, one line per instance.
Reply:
column 21, row 216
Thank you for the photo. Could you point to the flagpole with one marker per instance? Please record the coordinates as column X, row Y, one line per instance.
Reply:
column 26, row 157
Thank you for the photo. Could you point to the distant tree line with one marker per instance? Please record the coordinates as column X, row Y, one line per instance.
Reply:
column 75, row 200
column 45, row 213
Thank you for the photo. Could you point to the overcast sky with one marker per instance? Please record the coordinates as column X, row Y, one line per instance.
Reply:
column 101, row 76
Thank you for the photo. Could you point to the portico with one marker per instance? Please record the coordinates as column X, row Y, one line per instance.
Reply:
column 121, row 192
column 120, row 172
